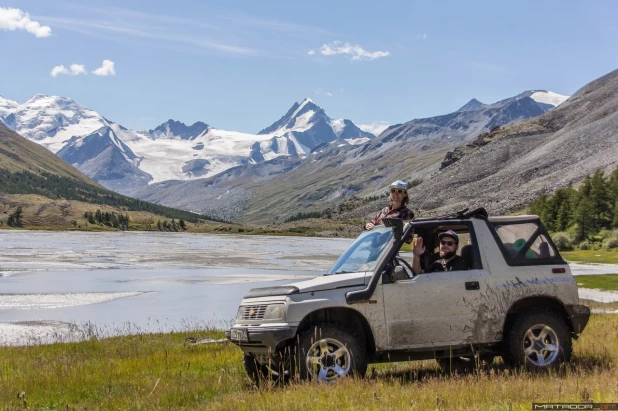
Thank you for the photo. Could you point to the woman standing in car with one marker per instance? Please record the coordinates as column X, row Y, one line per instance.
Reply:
column 398, row 207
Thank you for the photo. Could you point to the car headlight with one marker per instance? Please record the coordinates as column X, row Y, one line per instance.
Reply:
column 260, row 312
column 274, row 312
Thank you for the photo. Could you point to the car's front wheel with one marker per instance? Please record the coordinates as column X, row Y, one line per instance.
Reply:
column 328, row 352
column 276, row 372
column 539, row 339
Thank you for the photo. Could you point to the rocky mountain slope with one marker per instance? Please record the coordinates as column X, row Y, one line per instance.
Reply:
column 522, row 160
column 19, row 154
column 274, row 190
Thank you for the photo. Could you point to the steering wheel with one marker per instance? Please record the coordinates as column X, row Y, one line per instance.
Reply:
column 406, row 265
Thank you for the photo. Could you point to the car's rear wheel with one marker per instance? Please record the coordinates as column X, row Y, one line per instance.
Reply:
column 538, row 339
column 329, row 352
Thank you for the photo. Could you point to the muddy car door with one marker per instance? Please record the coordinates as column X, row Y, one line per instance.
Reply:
column 439, row 308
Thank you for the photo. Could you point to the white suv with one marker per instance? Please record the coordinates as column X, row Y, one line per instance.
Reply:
column 517, row 300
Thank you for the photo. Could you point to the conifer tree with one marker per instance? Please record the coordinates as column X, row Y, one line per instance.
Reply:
column 583, row 223
column 600, row 202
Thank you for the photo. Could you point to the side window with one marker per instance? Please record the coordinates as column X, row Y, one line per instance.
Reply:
column 525, row 243
column 466, row 250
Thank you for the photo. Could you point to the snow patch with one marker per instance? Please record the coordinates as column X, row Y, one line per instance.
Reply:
column 549, row 97
column 338, row 126
column 357, row 141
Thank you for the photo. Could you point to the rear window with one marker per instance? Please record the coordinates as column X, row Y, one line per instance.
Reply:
column 525, row 243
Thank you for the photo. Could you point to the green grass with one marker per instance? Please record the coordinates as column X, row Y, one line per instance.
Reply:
column 591, row 256
column 162, row 371
column 602, row 282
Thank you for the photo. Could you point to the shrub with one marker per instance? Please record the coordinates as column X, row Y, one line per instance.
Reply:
column 584, row 245
column 611, row 243
column 563, row 241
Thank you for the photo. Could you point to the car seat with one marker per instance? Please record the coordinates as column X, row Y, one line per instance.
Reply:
column 467, row 255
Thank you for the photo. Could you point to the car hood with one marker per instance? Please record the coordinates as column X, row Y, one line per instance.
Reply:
column 329, row 282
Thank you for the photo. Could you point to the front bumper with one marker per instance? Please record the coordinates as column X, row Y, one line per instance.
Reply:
column 579, row 315
column 263, row 339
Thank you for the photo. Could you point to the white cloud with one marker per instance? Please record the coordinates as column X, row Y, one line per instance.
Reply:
column 375, row 128
column 329, row 94
column 422, row 36
column 311, row 52
column 106, row 69
column 59, row 70
column 15, row 19
column 73, row 70
column 77, row 69
column 353, row 51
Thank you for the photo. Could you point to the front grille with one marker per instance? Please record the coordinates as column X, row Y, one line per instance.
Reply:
column 254, row 312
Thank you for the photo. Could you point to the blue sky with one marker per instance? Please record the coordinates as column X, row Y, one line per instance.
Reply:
column 241, row 65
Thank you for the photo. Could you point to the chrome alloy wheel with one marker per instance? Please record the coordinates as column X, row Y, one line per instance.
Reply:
column 541, row 345
column 328, row 360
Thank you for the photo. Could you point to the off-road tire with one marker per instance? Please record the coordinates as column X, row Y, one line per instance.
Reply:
column 332, row 336
column 261, row 374
column 253, row 368
column 539, row 321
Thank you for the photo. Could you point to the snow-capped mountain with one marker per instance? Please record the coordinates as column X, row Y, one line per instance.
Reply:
column 472, row 119
column 175, row 129
column 7, row 107
column 307, row 126
column 50, row 120
column 334, row 171
column 124, row 159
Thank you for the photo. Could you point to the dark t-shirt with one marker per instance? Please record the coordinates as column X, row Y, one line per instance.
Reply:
column 456, row 264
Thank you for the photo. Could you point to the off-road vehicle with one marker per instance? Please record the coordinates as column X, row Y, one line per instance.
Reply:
column 517, row 300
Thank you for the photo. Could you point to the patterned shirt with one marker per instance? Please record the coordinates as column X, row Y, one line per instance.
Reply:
column 403, row 213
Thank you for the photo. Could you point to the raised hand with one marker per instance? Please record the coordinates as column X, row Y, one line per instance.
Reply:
column 417, row 247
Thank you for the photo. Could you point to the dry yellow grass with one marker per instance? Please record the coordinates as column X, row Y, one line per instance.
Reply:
column 162, row 371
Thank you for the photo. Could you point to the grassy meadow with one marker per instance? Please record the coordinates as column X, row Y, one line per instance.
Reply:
column 601, row 282
column 591, row 256
column 164, row 371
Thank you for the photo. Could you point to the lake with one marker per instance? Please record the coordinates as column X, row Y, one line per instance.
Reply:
column 121, row 282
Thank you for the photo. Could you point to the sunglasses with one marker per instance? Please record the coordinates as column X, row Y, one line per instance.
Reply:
column 449, row 243
column 400, row 191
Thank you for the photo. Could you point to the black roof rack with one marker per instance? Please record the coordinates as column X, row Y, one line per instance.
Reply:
column 479, row 212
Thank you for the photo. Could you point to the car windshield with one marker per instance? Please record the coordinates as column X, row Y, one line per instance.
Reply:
column 363, row 254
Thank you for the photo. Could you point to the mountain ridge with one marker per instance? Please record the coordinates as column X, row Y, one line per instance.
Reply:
column 124, row 159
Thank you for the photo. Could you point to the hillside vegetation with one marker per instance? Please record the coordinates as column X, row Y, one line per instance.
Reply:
column 38, row 189
column 586, row 217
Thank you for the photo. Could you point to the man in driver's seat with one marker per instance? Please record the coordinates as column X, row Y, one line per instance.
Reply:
column 448, row 261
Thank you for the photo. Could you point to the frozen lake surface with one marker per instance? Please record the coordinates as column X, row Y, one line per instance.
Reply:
column 55, row 285
column 119, row 282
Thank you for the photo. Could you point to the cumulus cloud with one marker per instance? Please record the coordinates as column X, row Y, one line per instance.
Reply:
column 311, row 52
column 375, row 128
column 106, row 69
column 77, row 69
column 15, row 19
column 59, row 70
column 73, row 70
column 422, row 36
column 352, row 51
